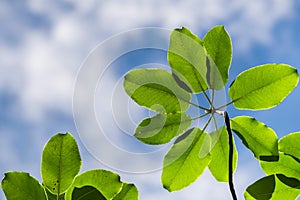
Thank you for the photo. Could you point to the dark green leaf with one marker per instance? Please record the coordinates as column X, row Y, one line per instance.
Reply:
column 187, row 59
column 261, row 189
column 263, row 87
column 162, row 128
column 51, row 196
column 186, row 160
column 20, row 185
column 291, row 182
column 61, row 162
column 156, row 90
column 217, row 43
column 218, row 165
column 106, row 182
column 290, row 144
column 256, row 136
column 87, row 193
column 128, row 192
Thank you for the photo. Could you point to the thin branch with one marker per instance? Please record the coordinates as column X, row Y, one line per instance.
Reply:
column 199, row 117
column 230, row 138
column 215, row 123
column 197, row 106
column 225, row 105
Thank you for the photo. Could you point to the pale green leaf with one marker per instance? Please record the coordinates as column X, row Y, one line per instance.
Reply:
column 156, row 90
column 106, row 182
column 217, row 43
column 128, row 192
column 286, row 165
column 263, row 87
column 290, row 144
column 187, row 59
column 256, row 136
column 218, row 165
column 61, row 162
column 162, row 128
column 186, row 160
column 20, row 185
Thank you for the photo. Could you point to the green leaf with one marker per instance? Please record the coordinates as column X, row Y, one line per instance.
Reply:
column 51, row 196
column 261, row 189
column 87, row 193
column 187, row 59
column 156, row 90
column 286, row 165
column 106, row 182
column 128, row 192
column 263, row 87
column 291, row 182
column 20, row 185
column 256, row 136
column 290, row 144
column 271, row 187
column 218, row 165
column 218, row 45
column 186, row 160
column 61, row 162
column 162, row 128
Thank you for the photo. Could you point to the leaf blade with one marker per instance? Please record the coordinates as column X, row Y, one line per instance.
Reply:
column 263, row 87
column 256, row 136
column 289, row 144
column 61, row 162
column 162, row 128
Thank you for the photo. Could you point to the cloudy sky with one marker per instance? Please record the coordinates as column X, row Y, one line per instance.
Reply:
column 44, row 45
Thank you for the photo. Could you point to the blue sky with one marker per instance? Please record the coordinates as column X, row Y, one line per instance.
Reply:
column 43, row 45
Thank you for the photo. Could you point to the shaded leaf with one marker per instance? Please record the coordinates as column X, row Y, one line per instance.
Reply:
column 128, row 192
column 218, row 45
column 218, row 165
column 106, row 182
column 186, row 160
column 256, row 136
column 51, row 196
column 261, row 189
column 156, row 90
column 162, row 128
column 61, row 162
column 263, row 87
column 290, row 144
column 286, row 165
column 291, row 182
column 87, row 193
column 20, row 185
column 187, row 59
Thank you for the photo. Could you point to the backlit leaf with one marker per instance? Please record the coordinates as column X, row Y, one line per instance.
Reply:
column 187, row 59
column 156, row 90
column 87, row 193
column 162, row 128
column 217, row 43
column 106, row 182
column 128, row 192
column 20, row 185
column 290, row 144
column 263, row 87
column 256, row 136
column 186, row 160
column 61, row 162
column 218, row 165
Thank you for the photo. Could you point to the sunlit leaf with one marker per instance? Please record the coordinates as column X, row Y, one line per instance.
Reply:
column 187, row 59
column 263, row 87
column 186, row 160
column 256, row 136
column 128, row 192
column 106, row 182
column 218, row 165
column 217, row 43
column 162, row 128
column 20, row 185
column 286, row 165
column 290, row 144
column 156, row 89
column 61, row 162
